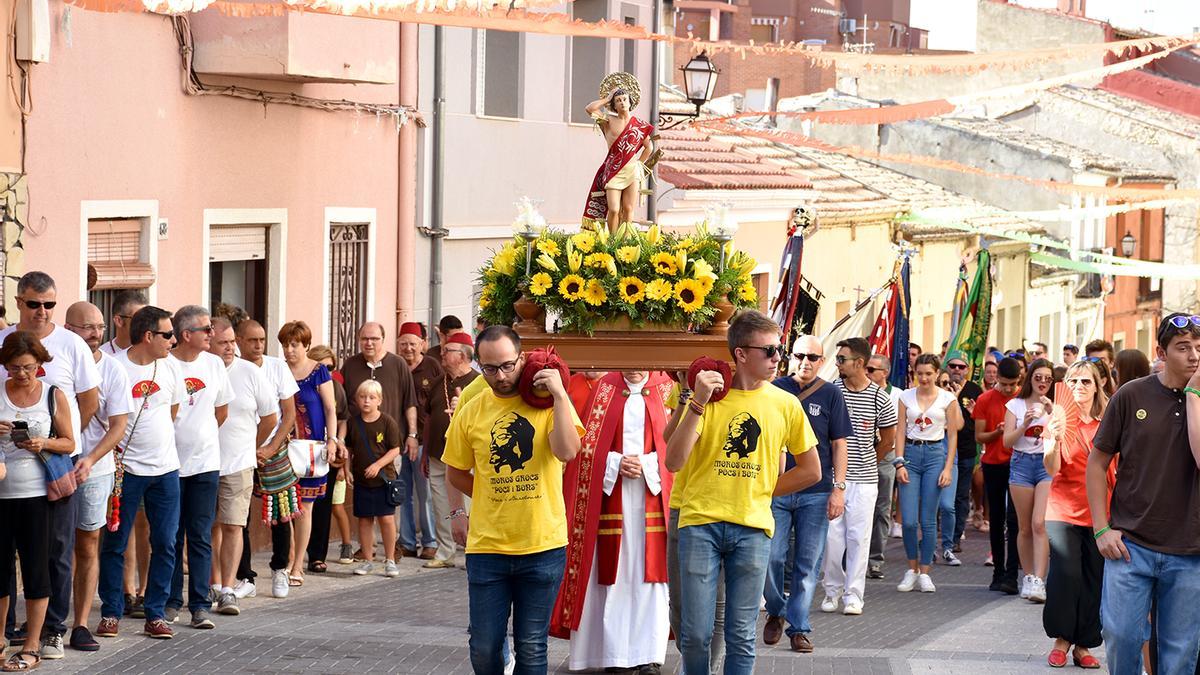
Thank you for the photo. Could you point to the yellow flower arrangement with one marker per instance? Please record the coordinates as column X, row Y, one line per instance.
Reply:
column 690, row 295
column 485, row 298
column 547, row 262
column 571, row 287
column 540, row 283
column 505, row 261
column 599, row 261
column 548, row 246
column 594, row 293
column 574, row 260
column 632, row 289
column 584, row 241
column 664, row 263
column 629, row 254
column 747, row 292
column 659, row 289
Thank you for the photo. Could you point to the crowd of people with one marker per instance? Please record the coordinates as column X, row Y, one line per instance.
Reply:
column 608, row 509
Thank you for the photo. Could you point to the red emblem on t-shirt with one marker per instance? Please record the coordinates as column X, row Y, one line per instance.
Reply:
column 41, row 371
column 1034, row 431
column 144, row 388
column 924, row 422
column 193, row 385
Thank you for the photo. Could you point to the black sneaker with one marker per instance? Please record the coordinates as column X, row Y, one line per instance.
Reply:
column 130, row 601
column 138, row 609
column 1009, row 587
column 874, row 572
column 81, row 639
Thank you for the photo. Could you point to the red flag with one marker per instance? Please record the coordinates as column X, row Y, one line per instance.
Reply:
column 883, row 335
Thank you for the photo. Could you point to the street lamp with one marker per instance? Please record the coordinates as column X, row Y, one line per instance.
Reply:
column 1127, row 243
column 699, row 82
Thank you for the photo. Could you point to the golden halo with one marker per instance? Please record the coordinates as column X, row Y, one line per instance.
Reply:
column 621, row 80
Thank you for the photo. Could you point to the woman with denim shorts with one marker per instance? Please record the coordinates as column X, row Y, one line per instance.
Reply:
column 1025, row 419
column 925, row 463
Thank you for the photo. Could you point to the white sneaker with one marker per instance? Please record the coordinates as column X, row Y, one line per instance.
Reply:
column 391, row 569
column 948, row 558
column 279, row 583
column 925, row 584
column 1025, row 581
column 245, row 589
column 364, row 569
column 829, row 604
column 1037, row 590
column 853, row 607
column 906, row 584
column 897, row 531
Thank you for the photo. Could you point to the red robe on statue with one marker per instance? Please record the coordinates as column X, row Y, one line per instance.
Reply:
column 587, row 506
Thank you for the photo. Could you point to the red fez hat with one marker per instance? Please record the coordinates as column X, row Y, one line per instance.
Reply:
column 706, row 363
column 411, row 328
column 461, row 339
column 536, row 360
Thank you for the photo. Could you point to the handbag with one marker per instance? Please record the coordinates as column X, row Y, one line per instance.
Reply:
column 276, row 484
column 60, row 470
column 310, row 459
column 395, row 491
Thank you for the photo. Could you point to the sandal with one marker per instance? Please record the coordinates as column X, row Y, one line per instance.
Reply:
column 317, row 567
column 17, row 663
column 295, row 581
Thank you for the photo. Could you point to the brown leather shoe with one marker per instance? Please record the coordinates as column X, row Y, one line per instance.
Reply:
column 801, row 643
column 405, row 552
column 427, row 553
column 773, row 631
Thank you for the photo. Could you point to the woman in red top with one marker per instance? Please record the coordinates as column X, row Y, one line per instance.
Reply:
column 1072, row 612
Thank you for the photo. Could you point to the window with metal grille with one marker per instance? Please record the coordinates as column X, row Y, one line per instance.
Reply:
column 348, row 249
column 501, row 73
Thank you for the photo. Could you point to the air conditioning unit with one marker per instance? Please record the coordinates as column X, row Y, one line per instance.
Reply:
column 846, row 26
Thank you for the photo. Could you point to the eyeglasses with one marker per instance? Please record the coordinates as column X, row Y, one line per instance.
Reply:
column 956, row 366
column 812, row 358
column 506, row 367
column 1079, row 381
column 842, row 358
column 872, row 370
column 770, row 351
column 1182, row 321
column 98, row 327
column 13, row 370
column 164, row 334
column 36, row 304
column 200, row 329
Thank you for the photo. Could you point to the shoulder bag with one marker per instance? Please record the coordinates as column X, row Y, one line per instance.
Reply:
column 60, row 470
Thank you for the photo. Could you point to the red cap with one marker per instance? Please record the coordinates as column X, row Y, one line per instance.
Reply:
column 411, row 328
column 460, row 338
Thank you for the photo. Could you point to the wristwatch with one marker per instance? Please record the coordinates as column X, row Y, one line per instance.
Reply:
column 412, row 435
column 840, row 485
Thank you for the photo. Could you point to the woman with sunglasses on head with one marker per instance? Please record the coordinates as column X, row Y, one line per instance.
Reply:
column 925, row 464
column 1025, row 418
column 1072, row 612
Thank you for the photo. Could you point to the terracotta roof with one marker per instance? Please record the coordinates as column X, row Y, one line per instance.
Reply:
column 1185, row 125
column 1076, row 157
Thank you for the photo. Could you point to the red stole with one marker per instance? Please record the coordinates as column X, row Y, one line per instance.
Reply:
column 583, row 488
column 624, row 149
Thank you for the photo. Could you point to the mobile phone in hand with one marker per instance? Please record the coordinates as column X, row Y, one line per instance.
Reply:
column 20, row 431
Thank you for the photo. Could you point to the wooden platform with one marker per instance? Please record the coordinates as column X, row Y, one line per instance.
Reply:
column 632, row 350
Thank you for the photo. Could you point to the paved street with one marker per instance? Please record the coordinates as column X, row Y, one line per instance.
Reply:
column 339, row 623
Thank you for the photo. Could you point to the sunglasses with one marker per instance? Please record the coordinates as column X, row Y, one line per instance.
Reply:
column 812, row 358
column 164, row 334
column 956, row 366
column 1015, row 355
column 1182, row 321
column 770, row 351
column 1043, row 378
column 200, row 329
column 35, row 304
column 841, row 359
column 1079, row 381
column 872, row 370
column 1093, row 359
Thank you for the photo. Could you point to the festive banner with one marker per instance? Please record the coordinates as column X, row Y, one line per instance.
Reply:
column 959, row 305
column 855, row 324
column 1066, row 215
column 900, row 357
column 971, row 330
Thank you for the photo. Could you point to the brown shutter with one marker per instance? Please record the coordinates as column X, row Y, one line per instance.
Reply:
column 114, row 255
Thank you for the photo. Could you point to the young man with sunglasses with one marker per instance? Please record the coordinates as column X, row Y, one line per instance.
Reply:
column 1149, row 534
column 967, row 392
column 809, row 511
column 73, row 370
column 517, row 538
column 728, row 455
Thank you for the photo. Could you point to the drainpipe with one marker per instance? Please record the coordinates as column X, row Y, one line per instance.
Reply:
column 437, row 230
column 406, row 188
column 656, row 27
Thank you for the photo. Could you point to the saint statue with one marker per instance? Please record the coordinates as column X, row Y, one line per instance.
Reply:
column 619, row 180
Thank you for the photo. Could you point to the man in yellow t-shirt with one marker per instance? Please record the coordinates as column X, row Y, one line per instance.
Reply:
column 517, row 536
column 727, row 457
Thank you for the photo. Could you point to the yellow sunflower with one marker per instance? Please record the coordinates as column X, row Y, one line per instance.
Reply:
column 659, row 289
column 540, row 283
column 706, row 283
column 664, row 263
column 584, row 241
column 629, row 254
column 548, row 246
column 594, row 293
column 571, row 287
column 599, row 261
column 690, row 295
column 633, row 289
column 747, row 292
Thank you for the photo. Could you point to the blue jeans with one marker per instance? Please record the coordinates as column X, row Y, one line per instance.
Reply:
column 418, row 488
column 744, row 552
column 528, row 585
column 160, row 495
column 920, row 498
column 1173, row 581
column 197, row 511
column 808, row 514
column 947, row 508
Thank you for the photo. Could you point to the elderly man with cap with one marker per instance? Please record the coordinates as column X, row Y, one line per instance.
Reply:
column 450, row 518
column 967, row 392
column 425, row 372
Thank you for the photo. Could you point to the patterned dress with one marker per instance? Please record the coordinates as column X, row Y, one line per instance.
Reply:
column 310, row 425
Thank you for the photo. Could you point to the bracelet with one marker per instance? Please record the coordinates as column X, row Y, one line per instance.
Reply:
column 1104, row 529
column 1191, row 390
column 898, row 462
column 695, row 407
column 456, row 513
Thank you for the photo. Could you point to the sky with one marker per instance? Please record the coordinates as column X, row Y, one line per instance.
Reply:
column 951, row 23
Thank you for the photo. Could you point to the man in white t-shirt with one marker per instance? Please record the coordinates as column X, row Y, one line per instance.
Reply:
column 125, row 304
column 196, row 440
column 252, row 341
column 147, row 472
column 251, row 419
column 73, row 370
column 95, row 467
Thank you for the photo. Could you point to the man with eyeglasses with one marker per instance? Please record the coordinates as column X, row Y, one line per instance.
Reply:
column 967, row 392
column 1149, row 533
column 1070, row 354
column 807, row 513
column 516, row 545
column 147, row 473
column 125, row 304
column 197, row 441
column 1037, row 350
column 450, row 517
column 873, row 419
column 375, row 362
column 728, row 455
column 73, row 370
column 878, row 369
column 95, row 467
